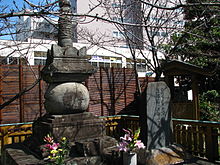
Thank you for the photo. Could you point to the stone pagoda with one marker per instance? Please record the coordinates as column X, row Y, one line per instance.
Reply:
column 66, row 102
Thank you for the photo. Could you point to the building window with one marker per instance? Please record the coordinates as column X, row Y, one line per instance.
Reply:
column 118, row 34
column 141, row 67
column 141, row 64
column 40, row 58
column 116, row 5
column 115, row 34
column 12, row 60
column 164, row 34
column 39, row 61
column 106, row 61
column 155, row 33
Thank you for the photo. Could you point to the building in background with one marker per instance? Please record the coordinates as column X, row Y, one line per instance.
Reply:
column 35, row 53
column 107, row 42
column 159, row 23
column 29, row 28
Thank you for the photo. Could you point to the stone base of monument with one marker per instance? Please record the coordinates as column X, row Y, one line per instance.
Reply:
column 18, row 154
column 75, row 127
column 85, row 132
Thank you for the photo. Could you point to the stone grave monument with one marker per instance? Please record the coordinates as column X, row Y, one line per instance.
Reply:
column 66, row 101
column 159, row 134
column 158, row 115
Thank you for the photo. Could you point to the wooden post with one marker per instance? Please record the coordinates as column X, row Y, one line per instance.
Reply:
column 1, row 88
column 201, row 141
column 195, row 98
column 189, row 138
column 125, row 87
column 195, row 139
column 209, row 144
column 113, row 92
column 101, row 91
column 40, row 92
column 215, row 146
column 21, row 99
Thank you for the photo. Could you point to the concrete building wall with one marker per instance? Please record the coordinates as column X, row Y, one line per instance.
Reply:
column 90, row 29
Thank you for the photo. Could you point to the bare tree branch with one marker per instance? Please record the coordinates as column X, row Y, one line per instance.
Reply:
column 180, row 5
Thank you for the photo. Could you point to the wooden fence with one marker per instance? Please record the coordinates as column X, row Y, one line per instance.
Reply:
column 111, row 90
column 201, row 138
column 115, row 124
column 14, row 132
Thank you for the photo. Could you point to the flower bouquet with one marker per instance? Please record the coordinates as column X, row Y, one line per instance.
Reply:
column 127, row 144
column 56, row 152
column 130, row 141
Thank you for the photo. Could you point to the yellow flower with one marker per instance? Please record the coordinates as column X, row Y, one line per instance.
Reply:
column 60, row 149
column 53, row 151
column 63, row 139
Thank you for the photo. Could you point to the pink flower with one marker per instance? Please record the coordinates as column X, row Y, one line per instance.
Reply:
column 127, row 131
column 48, row 139
column 139, row 144
column 126, row 137
column 54, row 146
column 47, row 146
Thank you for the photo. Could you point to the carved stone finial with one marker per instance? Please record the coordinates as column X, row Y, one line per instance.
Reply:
column 65, row 24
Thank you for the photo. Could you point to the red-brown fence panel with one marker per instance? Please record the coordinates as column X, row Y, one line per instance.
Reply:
column 111, row 90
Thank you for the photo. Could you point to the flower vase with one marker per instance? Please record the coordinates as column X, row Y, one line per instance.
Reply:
column 129, row 158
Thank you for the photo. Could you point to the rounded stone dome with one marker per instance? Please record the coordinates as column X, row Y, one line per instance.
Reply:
column 66, row 98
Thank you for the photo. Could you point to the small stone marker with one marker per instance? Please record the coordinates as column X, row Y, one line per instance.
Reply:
column 158, row 115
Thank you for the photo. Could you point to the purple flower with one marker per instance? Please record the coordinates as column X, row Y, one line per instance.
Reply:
column 122, row 146
column 129, row 141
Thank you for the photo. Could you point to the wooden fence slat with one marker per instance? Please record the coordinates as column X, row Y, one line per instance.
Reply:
column 40, row 92
column 1, row 92
column 209, row 143
column 101, row 91
column 21, row 98
column 195, row 140
column 201, row 141
column 188, row 138
column 215, row 147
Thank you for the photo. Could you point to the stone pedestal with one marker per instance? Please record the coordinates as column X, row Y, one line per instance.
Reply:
column 75, row 127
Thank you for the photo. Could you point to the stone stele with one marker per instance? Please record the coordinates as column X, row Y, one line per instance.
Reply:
column 66, row 98
column 158, row 115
